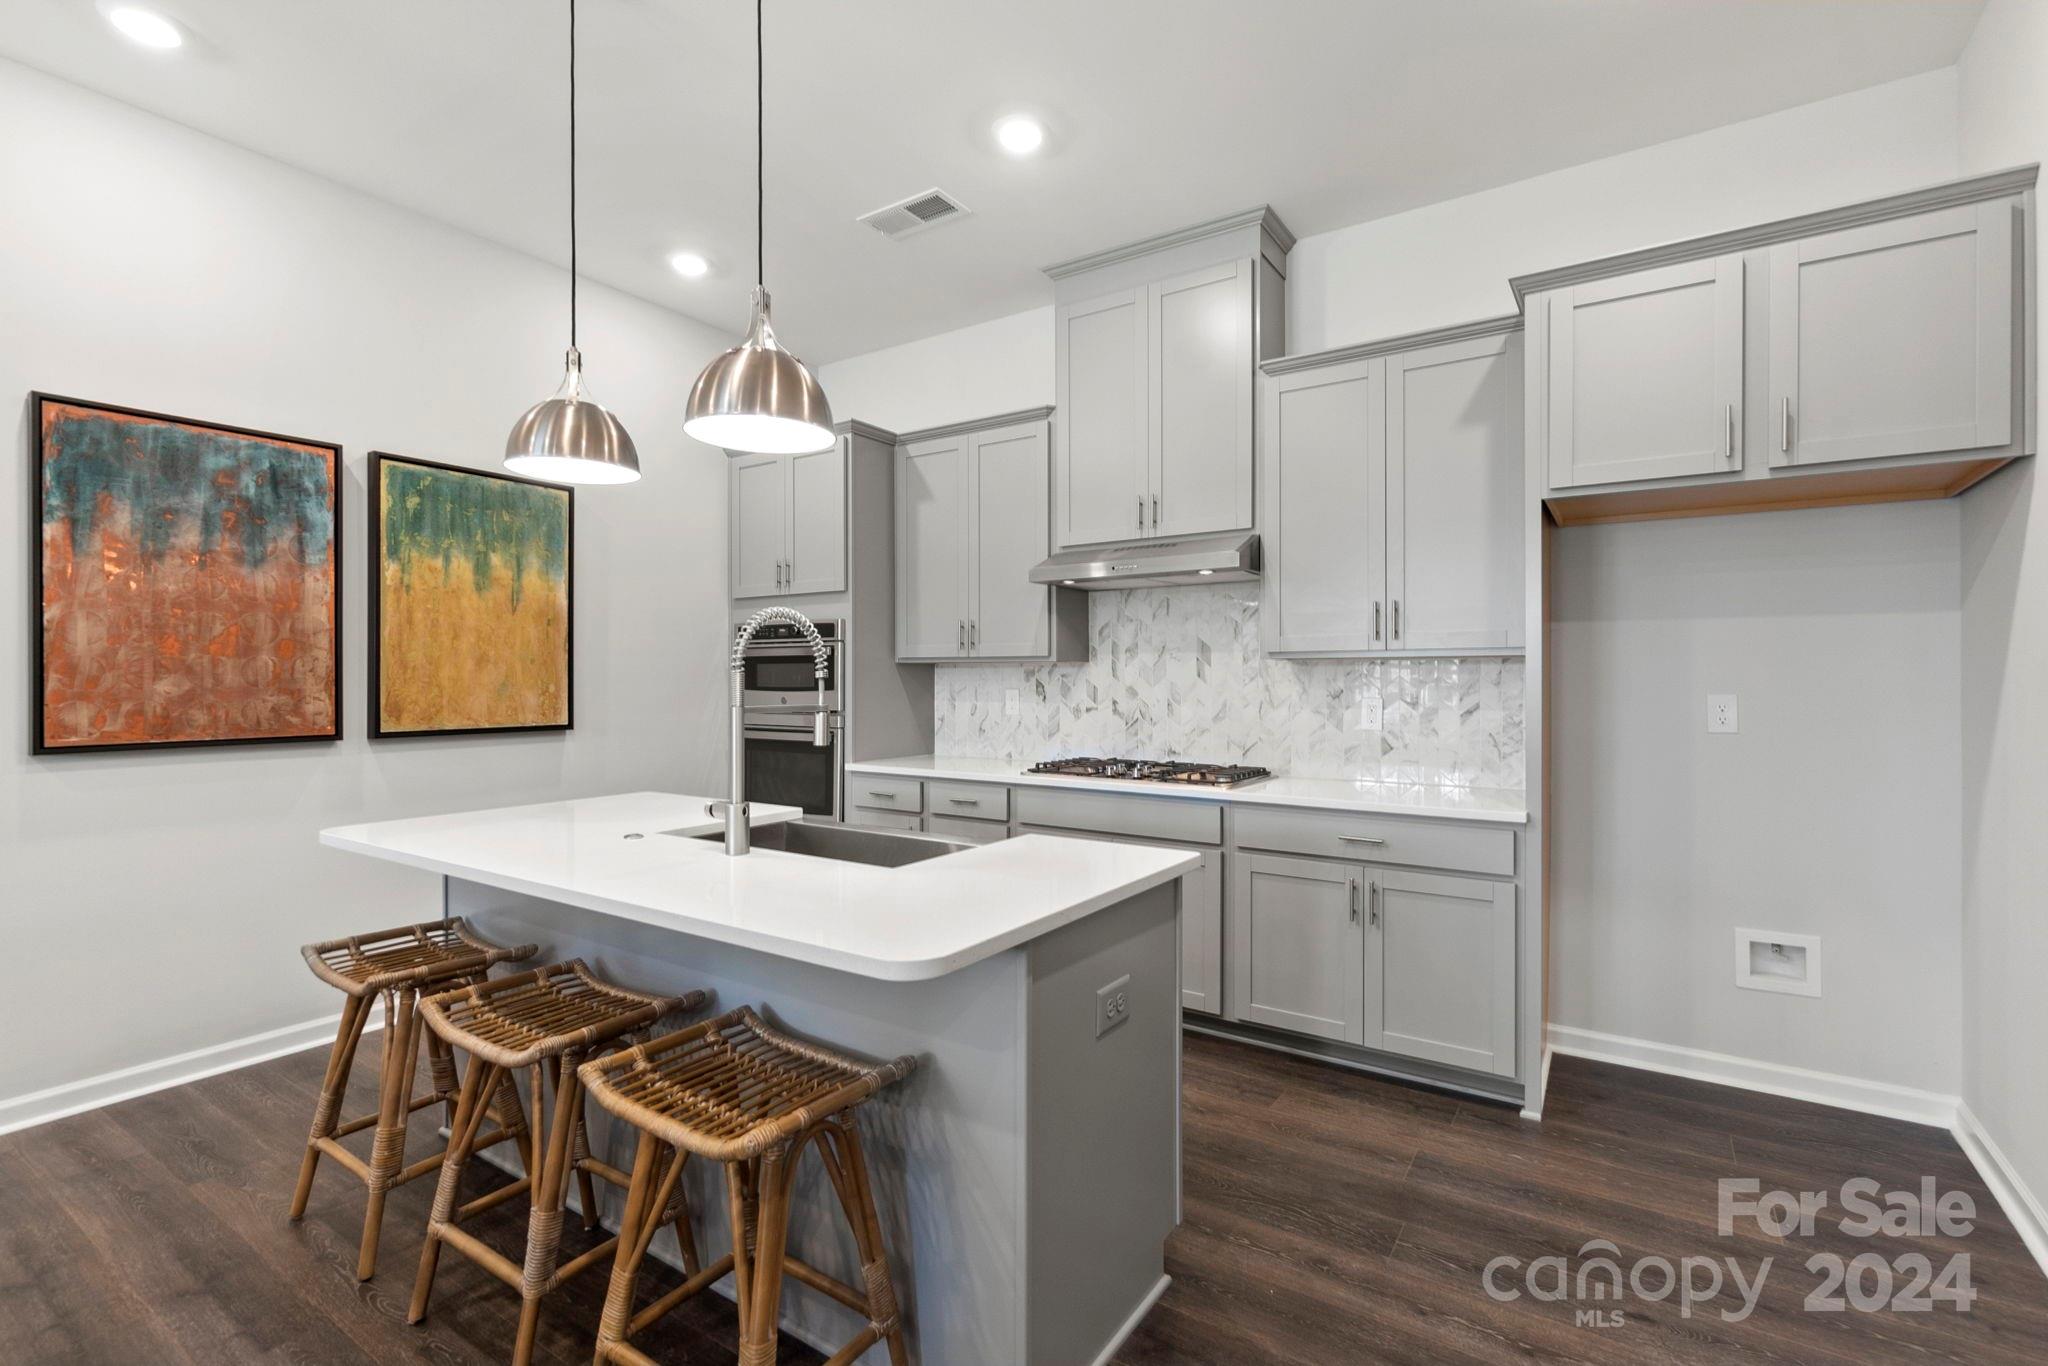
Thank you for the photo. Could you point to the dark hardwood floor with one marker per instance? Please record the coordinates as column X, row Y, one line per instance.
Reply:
column 1330, row 1219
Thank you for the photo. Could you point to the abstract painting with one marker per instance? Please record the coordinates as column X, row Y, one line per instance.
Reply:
column 188, row 582
column 470, row 600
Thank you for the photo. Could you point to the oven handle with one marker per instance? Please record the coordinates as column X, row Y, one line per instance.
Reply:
column 794, row 734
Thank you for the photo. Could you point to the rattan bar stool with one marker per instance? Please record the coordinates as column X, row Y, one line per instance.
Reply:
column 734, row 1090
column 397, row 966
column 549, row 1020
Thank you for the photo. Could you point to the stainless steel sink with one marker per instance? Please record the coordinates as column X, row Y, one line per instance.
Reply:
column 846, row 843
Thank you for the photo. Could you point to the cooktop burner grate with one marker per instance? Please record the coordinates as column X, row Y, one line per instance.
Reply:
column 1154, row 771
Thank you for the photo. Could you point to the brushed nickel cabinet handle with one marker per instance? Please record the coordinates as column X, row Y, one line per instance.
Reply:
column 961, row 647
column 1361, row 839
column 1155, row 512
column 1141, row 512
column 1375, row 621
column 1375, row 903
column 1731, row 433
column 1397, row 619
column 974, row 634
column 1785, row 425
column 1354, row 901
column 965, row 801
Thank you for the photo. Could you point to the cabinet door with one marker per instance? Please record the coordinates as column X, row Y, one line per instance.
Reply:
column 1646, row 375
column 931, row 549
column 1325, row 548
column 757, row 494
column 1200, row 455
column 1894, row 338
column 1296, row 946
column 816, row 560
column 1009, row 504
column 1454, row 496
column 1440, row 970
column 1201, row 920
column 1102, row 482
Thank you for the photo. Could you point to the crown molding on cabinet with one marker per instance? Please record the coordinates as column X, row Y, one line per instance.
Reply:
column 1039, row 414
column 853, row 426
column 1387, row 346
column 1263, row 216
column 1969, row 190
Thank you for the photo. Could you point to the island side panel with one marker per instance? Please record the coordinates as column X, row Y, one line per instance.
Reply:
column 944, row 1147
column 1103, row 1125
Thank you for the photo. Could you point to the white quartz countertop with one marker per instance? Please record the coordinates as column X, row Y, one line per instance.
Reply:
column 904, row 924
column 1498, row 805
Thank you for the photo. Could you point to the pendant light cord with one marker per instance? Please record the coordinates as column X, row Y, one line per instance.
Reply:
column 572, row 174
column 760, row 158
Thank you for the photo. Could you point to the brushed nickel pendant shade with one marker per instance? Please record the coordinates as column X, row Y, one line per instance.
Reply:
column 757, row 398
column 571, row 438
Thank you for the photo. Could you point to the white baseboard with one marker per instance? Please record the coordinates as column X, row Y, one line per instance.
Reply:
column 1542, row 1085
column 76, row 1097
column 1797, row 1083
column 2021, row 1206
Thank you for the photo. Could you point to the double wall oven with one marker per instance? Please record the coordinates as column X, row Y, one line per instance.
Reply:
column 779, row 704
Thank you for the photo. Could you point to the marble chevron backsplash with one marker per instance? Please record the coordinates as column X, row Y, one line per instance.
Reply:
column 1180, row 673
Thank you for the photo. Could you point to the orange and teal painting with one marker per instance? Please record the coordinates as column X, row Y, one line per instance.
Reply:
column 188, row 582
column 470, row 618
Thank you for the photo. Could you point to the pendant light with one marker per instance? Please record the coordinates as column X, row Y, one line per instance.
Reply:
column 757, row 398
column 571, row 438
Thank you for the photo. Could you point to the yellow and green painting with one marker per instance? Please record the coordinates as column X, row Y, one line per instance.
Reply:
column 471, row 625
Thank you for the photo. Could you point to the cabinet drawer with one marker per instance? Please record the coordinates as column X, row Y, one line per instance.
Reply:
column 1377, row 839
column 965, row 828
column 887, row 820
column 1163, row 818
column 887, row 794
column 972, row 801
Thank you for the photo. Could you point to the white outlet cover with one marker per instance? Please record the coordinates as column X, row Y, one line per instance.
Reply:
column 1009, row 701
column 1775, row 960
column 1721, row 713
column 1370, row 716
column 1112, row 1005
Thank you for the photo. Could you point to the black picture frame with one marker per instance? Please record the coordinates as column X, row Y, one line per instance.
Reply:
column 374, row 493
column 38, row 682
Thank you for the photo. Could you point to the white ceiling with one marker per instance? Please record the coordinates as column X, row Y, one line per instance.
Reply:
column 1163, row 112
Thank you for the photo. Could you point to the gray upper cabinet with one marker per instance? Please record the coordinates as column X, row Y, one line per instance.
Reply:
column 1440, row 969
column 1202, row 368
column 1646, row 375
column 931, row 548
column 1454, row 495
column 972, row 516
column 1296, row 945
column 1100, row 392
column 1894, row 338
column 787, row 523
column 1392, row 495
column 1155, row 352
column 1325, row 540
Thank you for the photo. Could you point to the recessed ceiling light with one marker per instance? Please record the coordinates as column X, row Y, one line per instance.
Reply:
column 1020, row 134
column 145, row 26
column 689, row 265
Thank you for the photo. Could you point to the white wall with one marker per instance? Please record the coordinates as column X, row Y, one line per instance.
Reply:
column 154, row 903
column 2004, row 104
column 994, row 367
column 1834, row 810
column 1450, row 262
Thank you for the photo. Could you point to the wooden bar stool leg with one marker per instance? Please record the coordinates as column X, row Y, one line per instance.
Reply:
column 505, row 1104
column 327, row 1110
column 761, row 1326
column 579, row 1152
column 883, row 1311
column 387, row 1151
column 617, row 1320
column 550, row 1193
column 479, row 1080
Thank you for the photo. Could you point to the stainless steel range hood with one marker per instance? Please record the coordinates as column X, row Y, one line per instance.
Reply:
column 1231, row 558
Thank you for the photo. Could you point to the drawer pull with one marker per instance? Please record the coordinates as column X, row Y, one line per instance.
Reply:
column 1361, row 839
column 873, row 793
column 965, row 801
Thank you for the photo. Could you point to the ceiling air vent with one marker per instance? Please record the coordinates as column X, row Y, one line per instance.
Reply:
column 915, row 214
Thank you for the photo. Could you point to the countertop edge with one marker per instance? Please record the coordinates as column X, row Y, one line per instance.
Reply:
column 1246, row 796
column 878, row 969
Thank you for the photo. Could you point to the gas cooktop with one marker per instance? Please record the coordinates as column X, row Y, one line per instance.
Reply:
column 1154, row 771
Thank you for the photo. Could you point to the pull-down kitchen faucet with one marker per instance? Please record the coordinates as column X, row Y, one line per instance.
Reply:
column 737, row 836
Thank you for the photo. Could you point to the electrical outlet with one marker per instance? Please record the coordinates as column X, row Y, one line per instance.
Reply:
column 1009, row 701
column 1369, row 714
column 1112, row 1005
column 1721, row 713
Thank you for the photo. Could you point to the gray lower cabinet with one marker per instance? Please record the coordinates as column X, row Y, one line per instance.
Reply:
column 1440, row 970
column 1297, row 945
column 1894, row 338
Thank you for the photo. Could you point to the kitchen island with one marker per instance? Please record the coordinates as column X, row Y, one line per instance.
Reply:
column 1028, row 1172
